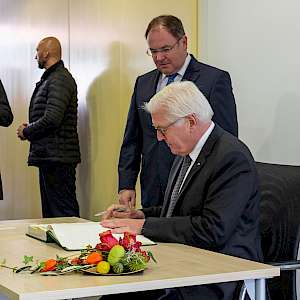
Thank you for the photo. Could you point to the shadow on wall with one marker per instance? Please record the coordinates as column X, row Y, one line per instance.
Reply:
column 83, row 177
column 284, row 130
column 102, row 135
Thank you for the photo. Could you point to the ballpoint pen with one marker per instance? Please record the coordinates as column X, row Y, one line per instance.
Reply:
column 119, row 209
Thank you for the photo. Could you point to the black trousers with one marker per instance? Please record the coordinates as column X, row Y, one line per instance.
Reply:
column 58, row 190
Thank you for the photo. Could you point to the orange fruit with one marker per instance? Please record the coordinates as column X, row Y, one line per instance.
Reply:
column 94, row 258
column 50, row 265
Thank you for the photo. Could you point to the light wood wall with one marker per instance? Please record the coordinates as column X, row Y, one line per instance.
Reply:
column 104, row 48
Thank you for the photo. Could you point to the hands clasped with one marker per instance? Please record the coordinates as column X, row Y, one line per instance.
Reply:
column 20, row 129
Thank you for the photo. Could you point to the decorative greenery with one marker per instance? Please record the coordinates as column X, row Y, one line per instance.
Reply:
column 124, row 255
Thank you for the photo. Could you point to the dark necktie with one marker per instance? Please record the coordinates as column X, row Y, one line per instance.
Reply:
column 171, row 78
column 184, row 167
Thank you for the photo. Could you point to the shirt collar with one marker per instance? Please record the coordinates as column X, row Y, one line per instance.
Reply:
column 182, row 69
column 197, row 149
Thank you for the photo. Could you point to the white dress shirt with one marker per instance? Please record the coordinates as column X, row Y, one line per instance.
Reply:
column 164, row 79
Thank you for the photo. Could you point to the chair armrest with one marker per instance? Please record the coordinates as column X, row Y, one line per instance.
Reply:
column 291, row 265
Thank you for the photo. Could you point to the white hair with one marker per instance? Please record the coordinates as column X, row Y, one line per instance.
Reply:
column 180, row 99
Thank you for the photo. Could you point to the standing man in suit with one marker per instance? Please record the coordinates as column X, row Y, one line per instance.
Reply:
column 141, row 151
column 52, row 132
column 212, row 197
column 6, row 118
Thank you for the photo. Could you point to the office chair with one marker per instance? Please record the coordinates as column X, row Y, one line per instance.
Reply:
column 280, row 227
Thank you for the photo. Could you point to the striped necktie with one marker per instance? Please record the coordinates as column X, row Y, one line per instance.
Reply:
column 184, row 167
column 171, row 78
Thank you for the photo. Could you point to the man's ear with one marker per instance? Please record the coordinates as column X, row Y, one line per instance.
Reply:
column 184, row 41
column 192, row 120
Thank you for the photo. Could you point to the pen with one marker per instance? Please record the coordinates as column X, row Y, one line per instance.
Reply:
column 120, row 209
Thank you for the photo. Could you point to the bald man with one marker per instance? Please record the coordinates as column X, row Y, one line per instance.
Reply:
column 52, row 132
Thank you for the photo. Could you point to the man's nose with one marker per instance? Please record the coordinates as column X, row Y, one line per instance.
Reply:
column 159, row 56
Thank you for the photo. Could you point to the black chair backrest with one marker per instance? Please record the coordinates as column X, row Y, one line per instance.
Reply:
column 280, row 222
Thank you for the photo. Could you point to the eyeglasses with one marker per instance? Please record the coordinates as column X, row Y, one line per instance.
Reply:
column 163, row 130
column 164, row 50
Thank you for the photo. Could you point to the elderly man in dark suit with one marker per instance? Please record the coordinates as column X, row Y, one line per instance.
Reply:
column 6, row 118
column 212, row 197
column 140, row 150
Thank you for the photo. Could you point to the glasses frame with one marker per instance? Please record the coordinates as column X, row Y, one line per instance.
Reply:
column 165, row 50
column 163, row 130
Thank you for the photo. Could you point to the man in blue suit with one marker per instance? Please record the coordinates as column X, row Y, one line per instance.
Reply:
column 141, row 151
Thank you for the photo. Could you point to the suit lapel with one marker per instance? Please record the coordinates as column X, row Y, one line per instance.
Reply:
column 193, row 70
column 152, row 87
column 202, row 158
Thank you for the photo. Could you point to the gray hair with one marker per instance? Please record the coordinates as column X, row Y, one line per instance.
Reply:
column 180, row 99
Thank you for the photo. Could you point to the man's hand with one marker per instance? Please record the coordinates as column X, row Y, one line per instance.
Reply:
column 20, row 129
column 127, row 197
column 122, row 212
column 124, row 225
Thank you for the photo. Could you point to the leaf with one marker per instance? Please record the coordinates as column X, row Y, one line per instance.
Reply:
column 35, row 269
column 70, row 269
column 27, row 259
column 151, row 256
column 75, row 268
column 41, row 265
column 25, row 268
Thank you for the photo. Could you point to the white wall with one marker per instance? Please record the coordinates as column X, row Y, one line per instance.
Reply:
column 258, row 42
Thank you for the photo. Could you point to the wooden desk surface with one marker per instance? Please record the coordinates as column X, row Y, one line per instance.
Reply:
column 178, row 265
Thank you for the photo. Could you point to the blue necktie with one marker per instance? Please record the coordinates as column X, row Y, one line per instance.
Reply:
column 184, row 167
column 171, row 78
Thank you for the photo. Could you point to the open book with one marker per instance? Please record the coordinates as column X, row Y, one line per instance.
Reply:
column 74, row 236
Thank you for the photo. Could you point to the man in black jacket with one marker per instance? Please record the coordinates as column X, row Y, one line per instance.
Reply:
column 52, row 132
column 141, row 151
column 6, row 118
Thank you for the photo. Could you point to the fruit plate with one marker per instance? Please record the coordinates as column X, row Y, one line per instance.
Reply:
column 94, row 272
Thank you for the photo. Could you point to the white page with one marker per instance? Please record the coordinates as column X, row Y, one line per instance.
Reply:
column 76, row 236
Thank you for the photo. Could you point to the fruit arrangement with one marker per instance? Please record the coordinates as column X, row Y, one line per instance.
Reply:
column 110, row 256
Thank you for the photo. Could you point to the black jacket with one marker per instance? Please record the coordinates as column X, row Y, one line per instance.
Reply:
column 52, row 129
column 217, row 208
column 6, row 118
column 141, row 149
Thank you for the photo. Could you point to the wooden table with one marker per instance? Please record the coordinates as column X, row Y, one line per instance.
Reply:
column 178, row 265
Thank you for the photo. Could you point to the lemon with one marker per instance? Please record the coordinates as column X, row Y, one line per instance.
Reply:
column 103, row 267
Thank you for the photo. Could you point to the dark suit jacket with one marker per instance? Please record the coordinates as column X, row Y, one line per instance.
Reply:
column 141, row 149
column 217, row 208
column 6, row 118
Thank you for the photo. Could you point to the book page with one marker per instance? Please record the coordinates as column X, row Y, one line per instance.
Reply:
column 76, row 236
